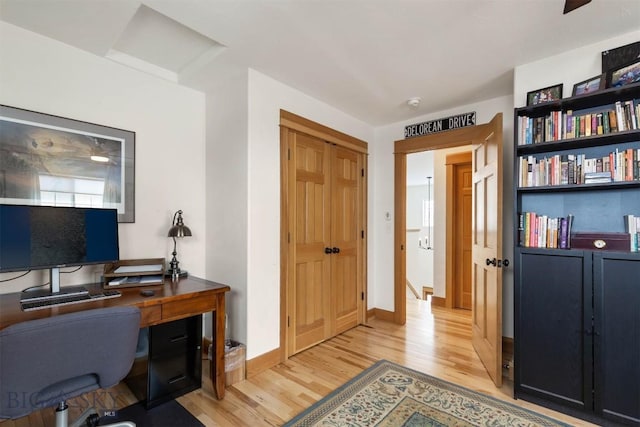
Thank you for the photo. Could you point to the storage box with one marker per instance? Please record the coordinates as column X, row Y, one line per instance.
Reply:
column 127, row 273
column 619, row 242
column 234, row 360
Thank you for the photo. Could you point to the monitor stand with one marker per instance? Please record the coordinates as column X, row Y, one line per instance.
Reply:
column 54, row 290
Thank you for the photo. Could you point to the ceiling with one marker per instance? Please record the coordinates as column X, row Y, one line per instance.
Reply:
column 363, row 57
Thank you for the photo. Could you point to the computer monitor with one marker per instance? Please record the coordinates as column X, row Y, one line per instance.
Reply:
column 47, row 237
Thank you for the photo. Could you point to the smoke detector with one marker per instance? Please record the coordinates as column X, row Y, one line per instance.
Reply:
column 414, row 102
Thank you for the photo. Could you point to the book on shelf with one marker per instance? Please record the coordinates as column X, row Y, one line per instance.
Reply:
column 570, row 124
column 597, row 177
column 542, row 231
column 569, row 169
column 632, row 227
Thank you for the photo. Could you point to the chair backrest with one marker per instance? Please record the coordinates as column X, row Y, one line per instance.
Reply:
column 45, row 361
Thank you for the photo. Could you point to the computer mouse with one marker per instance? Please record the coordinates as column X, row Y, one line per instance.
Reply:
column 147, row 293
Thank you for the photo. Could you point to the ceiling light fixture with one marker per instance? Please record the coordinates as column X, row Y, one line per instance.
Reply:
column 414, row 102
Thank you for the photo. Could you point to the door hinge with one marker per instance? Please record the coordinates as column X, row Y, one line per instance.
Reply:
column 362, row 172
column 362, row 233
column 362, row 296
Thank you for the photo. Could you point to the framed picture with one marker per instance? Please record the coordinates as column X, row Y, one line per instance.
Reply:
column 613, row 59
column 56, row 161
column 547, row 94
column 591, row 85
column 625, row 75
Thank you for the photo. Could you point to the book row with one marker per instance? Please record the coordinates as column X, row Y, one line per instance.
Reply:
column 541, row 231
column 567, row 169
column 559, row 125
column 632, row 226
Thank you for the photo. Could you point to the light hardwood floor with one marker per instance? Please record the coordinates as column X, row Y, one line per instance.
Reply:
column 434, row 340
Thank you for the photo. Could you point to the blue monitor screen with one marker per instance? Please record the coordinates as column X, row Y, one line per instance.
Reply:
column 38, row 237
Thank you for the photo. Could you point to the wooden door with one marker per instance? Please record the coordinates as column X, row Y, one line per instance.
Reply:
column 487, row 247
column 345, row 236
column 462, row 236
column 310, row 296
column 324, row 292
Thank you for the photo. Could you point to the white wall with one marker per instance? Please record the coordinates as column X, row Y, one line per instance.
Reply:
column 567, row 68
column 381, row 279
column 266, row 97
column 43, row 75
column 227, row 192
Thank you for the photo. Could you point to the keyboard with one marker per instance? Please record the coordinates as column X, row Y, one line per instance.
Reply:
column 66, row 299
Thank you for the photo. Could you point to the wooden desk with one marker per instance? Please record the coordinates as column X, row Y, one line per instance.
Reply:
column 188, row 297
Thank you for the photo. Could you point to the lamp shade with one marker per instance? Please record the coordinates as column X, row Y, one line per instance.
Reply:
column 179, row 229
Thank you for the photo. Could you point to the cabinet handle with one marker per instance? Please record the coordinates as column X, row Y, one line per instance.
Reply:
column 180, row 338
column 491, row 262
column 335, row 250
column 327, row 251
column 176, row 379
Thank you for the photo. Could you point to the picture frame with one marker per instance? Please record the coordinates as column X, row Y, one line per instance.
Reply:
column 57, row 161
column 613, row 59
column 546, row 94
column 624, row 75
column 591, row 85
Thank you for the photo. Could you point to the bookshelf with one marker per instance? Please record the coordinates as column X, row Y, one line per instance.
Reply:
column 576, row 263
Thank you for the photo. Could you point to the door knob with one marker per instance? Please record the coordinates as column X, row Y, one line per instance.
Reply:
column 491, row 262
column 335, row 250
column 327, row 251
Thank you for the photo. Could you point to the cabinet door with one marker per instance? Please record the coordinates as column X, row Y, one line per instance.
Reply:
column 175, row 359
column 617, row 339
column 553, row 306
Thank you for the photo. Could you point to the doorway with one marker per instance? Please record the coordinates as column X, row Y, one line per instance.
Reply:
column 419, row 233
column 439, row 179
column 486, row 152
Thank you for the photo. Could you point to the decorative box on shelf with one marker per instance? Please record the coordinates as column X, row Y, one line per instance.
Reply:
column 601, row 241
column 127, row 273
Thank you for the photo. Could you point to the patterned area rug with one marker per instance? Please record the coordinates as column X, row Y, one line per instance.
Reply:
column 388, row 395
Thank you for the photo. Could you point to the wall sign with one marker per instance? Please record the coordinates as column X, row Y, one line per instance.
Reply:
column 440, row 125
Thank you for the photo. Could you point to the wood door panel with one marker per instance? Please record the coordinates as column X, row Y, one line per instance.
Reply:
column 310, row 296
column 346, row 302
column 487, row 245
column 345, row 215
column 462, row 236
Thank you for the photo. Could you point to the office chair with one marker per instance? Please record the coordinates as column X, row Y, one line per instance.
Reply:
column 43, row 362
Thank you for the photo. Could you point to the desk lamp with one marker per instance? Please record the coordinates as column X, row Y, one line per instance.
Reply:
column 179, row 230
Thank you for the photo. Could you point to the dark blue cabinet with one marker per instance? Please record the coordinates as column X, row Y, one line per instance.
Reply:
column 577, row 332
